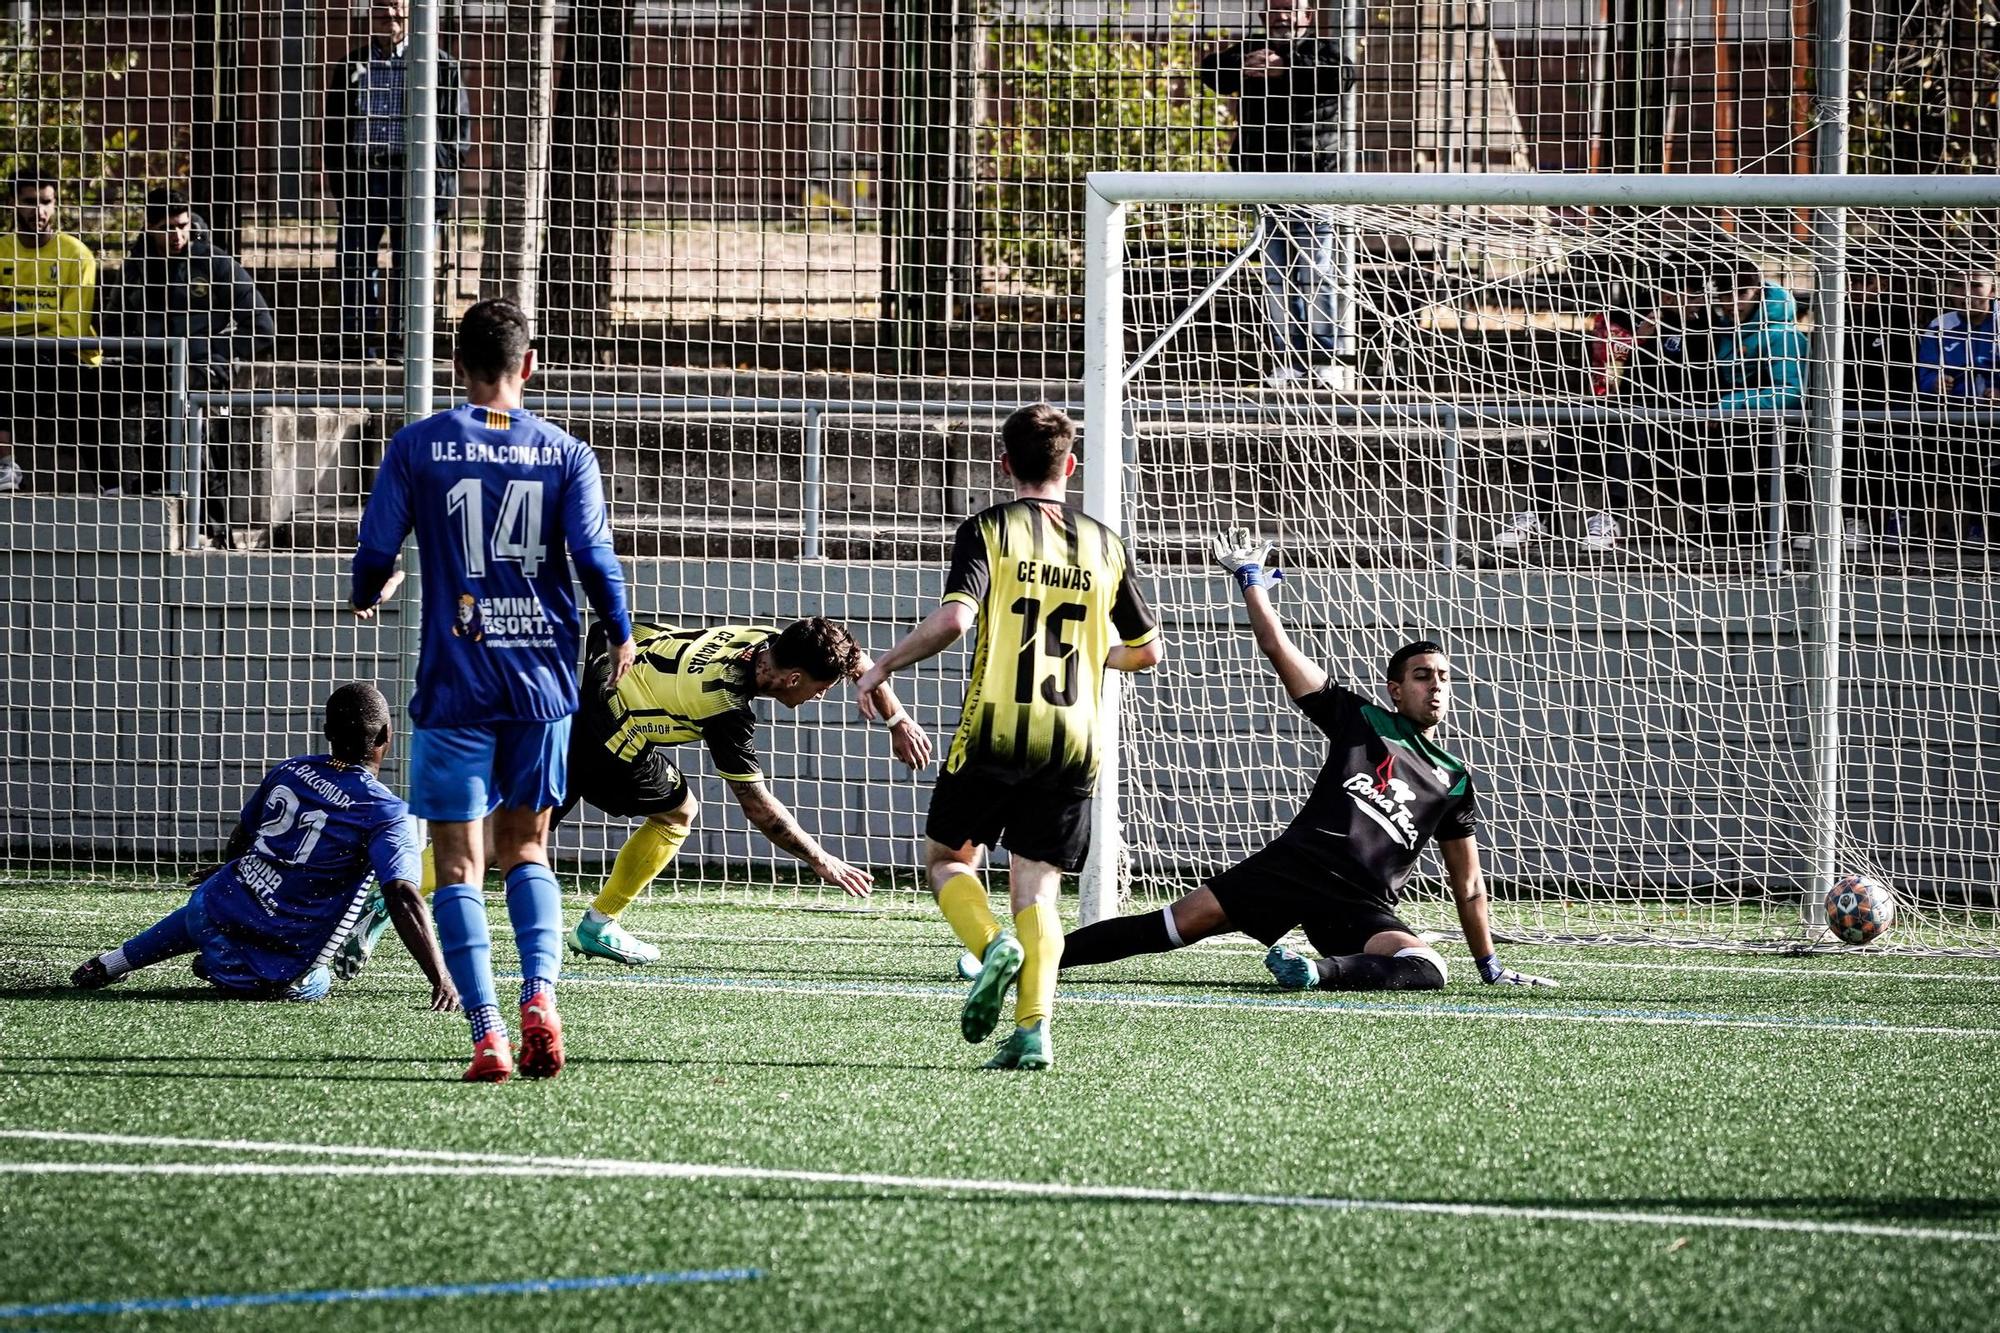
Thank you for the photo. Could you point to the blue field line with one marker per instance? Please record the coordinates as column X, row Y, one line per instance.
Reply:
column 342, row 1295
column 1297, row 1005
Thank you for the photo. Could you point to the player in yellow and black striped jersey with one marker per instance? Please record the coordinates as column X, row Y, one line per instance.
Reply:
column 698, row 683
column 1056, row 602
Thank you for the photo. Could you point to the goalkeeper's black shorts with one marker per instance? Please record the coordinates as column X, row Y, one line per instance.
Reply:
column 1277, row 889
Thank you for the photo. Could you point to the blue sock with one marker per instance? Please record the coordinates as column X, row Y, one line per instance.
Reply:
column 484, row 1018
column 169, row 937
column 468, row 952
column 534, row 905
column 535, row 986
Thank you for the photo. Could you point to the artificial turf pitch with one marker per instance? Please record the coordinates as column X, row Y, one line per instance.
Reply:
column 1670, row 1141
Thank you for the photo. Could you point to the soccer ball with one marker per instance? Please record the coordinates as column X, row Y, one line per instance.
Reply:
column 1860, row 909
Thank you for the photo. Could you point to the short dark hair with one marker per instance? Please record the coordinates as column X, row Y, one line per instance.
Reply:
column 357, row 722
column 1037, row 439
column 164, row 203
column 493, row 339
column 818, row 647
column 1400, row 662
column 30, row 178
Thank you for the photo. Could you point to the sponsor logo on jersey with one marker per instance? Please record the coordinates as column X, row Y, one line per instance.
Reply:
column 503, row 622
column 1385, row 798
column 466, row 625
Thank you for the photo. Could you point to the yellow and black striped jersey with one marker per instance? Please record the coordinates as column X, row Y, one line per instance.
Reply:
column 1052, row 587
column 686, row 684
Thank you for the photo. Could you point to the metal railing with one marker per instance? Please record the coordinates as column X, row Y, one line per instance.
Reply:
column 1449, row 419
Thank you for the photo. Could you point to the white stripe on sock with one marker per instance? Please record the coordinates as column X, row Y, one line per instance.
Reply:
column 115, row 962
column 1173, row 935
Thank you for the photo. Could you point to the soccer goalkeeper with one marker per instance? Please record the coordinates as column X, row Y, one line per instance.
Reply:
column 1386, row 791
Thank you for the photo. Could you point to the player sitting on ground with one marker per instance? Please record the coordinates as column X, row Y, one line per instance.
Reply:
column 1057, row 604
column 263, row 924
column 690, row 684
column 1387, row 788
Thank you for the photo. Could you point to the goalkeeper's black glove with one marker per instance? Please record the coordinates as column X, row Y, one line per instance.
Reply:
column 1243, row 556
column 1493, row 974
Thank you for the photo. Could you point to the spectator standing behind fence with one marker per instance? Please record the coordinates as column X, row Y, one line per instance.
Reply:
column 1647, row 349
column 364, row 154
column 176, row 284
column 1287, row 89
column 1882, row 458
column 1759, row 357
column 48, row 286
column 1959, row 351
column 1958, row 359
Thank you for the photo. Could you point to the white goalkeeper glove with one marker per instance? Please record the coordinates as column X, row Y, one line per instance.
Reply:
column 1243, row 556
column 1493, row 974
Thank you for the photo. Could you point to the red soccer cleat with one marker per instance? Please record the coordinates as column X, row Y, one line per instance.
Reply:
column 492, row 1061
column 541, row 1038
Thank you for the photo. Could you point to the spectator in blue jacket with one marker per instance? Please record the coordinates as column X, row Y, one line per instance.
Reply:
column 1758, row 362
column 1760, row 353
column 1960, row 349
column 1958, row 357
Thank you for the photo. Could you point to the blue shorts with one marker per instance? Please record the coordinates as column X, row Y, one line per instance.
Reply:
column 222, row 965
column 462, row 774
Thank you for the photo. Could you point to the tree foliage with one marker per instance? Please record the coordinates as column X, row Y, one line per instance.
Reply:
column 1927, row 85
column 51, row 119
column 1064, row 101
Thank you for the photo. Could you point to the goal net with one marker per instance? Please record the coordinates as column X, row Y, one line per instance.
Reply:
column 1717, row 573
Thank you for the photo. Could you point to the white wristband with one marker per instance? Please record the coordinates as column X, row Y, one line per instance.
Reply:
column 900, row 716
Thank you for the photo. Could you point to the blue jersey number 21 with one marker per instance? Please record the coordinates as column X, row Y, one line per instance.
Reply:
column 517, row 532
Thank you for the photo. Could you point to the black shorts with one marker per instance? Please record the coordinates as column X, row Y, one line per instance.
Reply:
column 1276, row 889
column 626, row 788
column 1030, row 818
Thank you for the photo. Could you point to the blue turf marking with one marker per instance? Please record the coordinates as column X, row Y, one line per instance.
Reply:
column 1294, row 1005
column 339, row 1295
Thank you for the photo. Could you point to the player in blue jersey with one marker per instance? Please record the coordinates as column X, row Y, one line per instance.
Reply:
column 501, row 503
column 297, row 867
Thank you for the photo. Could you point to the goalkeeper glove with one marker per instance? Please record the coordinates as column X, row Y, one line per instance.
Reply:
column 1243, row 556
column 1493, row 974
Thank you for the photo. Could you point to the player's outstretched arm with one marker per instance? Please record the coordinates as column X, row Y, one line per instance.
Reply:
column 1243, row 556
column 775, row 822
column 1468, row 895
column 939, row 631
column 907, row 741
column 240, row 839
column 413, row 927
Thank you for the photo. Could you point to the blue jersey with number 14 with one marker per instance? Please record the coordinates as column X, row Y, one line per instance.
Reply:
column 500, row 502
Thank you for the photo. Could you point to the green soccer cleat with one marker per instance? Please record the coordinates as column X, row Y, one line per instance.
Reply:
column 997, row 969
column 359, row 946
column 1025, row 1048
column 607, row 939
column 1291, row 969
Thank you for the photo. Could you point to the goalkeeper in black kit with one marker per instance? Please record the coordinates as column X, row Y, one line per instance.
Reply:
column 1386, row 790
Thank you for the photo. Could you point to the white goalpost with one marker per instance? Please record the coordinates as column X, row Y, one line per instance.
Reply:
column 1715, row 568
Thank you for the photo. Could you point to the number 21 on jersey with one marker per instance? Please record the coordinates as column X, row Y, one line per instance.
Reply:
column 517, row 531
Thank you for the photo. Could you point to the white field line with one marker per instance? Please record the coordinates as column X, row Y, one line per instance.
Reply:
column 1295, row 1008
column 409, row 1161
column 1545, row 957
column 66, row 913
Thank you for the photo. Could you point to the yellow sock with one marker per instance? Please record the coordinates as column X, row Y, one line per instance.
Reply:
column 963, row 899
column 640, row 861
column 1040, row 929
column 430, row 879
